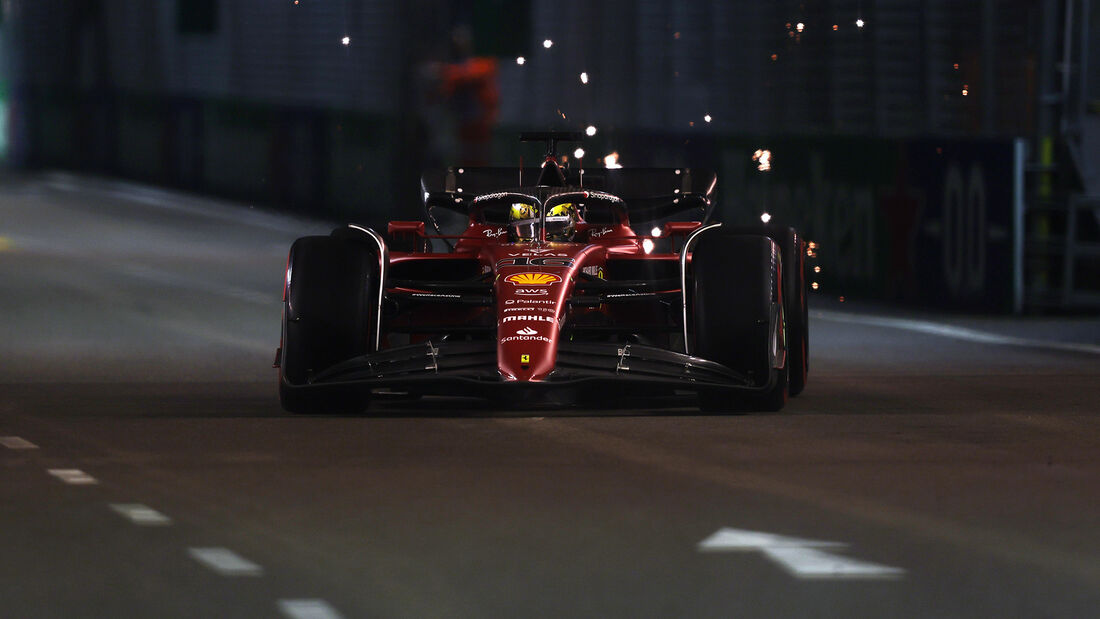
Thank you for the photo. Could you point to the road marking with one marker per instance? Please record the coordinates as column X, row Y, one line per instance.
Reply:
column 952, row 331
column 225, row 562
column 308, row 609
column 73, row 476
column 140, row 514
column 14, row 442
column 802, row 558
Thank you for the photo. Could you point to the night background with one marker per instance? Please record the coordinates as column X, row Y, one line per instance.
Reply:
column 159, row 159
column 894, row 125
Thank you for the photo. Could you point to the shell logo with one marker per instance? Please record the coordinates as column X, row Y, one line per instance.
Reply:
column 533, row 279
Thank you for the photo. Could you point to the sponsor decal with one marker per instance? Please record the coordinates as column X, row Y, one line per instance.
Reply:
column 436, row 295
column 595, row 234
column 526, row 331
column 533, row 279
column 594, row 270
column 529, row 302
column 539, row 252
column 525, row 338
column 525, row 359
column 546, row 310
column 532, row 292
column 530, row 317
column 535, row 262
column 494, row 234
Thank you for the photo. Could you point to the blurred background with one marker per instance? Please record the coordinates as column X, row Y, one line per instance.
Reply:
column 938, row 152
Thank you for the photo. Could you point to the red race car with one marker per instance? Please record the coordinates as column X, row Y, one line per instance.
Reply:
column 549, row 287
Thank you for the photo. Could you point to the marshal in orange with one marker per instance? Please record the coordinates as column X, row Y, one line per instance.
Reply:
column 533, row 279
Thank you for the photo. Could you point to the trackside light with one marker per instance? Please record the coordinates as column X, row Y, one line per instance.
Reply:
column 765, row 217
column 647, row 245
column 656, row 231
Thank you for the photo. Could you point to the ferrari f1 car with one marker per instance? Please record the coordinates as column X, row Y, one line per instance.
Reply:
column 583, row 280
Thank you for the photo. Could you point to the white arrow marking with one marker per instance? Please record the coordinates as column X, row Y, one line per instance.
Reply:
column 802, row 558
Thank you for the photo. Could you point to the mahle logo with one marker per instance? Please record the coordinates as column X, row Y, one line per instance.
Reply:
column 533, row 279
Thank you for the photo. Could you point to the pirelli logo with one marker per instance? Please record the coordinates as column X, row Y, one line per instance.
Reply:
column 533, row 279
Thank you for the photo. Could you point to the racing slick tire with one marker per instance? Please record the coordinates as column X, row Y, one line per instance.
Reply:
column 795, row 308
column 795, row 297
column 326, row 319
column 738, row 316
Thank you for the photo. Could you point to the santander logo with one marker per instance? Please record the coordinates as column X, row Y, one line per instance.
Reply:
column 527, row 331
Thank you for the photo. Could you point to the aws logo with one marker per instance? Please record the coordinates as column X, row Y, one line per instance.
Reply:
column 533, row 279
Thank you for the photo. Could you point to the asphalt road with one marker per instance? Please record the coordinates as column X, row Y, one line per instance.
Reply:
column 936, row 466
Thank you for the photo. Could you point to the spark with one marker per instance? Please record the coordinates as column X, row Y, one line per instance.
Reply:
column 765, row 217
column 775, row 57
column 611, row 161
column 579, row 153
column 966, row 90
column 763, row 157
column 590, row 130
column 346, row 40
column 799, row 26
column 836, row 27
column 707, row 118
column 814, row 286
column 547, row 43
column 656, row 231
column 520, row 60
column 817, row 269
column 584, row 77
column 956, row 65
column 860, row 22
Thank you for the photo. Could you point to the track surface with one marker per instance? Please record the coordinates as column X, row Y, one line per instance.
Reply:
column 138, row 329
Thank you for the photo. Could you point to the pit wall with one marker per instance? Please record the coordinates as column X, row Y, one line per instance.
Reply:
column 931, row 221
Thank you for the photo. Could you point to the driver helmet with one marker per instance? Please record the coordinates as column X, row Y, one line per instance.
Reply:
column 523, row 221
column 561, row 222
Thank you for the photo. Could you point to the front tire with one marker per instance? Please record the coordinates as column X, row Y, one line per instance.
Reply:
column 738, row 316
column 326, row 319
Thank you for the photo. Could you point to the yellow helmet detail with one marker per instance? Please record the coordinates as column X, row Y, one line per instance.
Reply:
column 561, row 222
column 523, row 221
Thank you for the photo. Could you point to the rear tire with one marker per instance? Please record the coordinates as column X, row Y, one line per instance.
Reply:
column 327, row 319
column 738, row 316
column 795, row 309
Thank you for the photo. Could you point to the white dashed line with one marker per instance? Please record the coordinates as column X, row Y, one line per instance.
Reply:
column 140, row 514
column 308, row 609
column 225, row 562
column 14, row 442
column 73, row 476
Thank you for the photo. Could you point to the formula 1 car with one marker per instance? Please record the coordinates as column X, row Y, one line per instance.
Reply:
column 549, row 286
